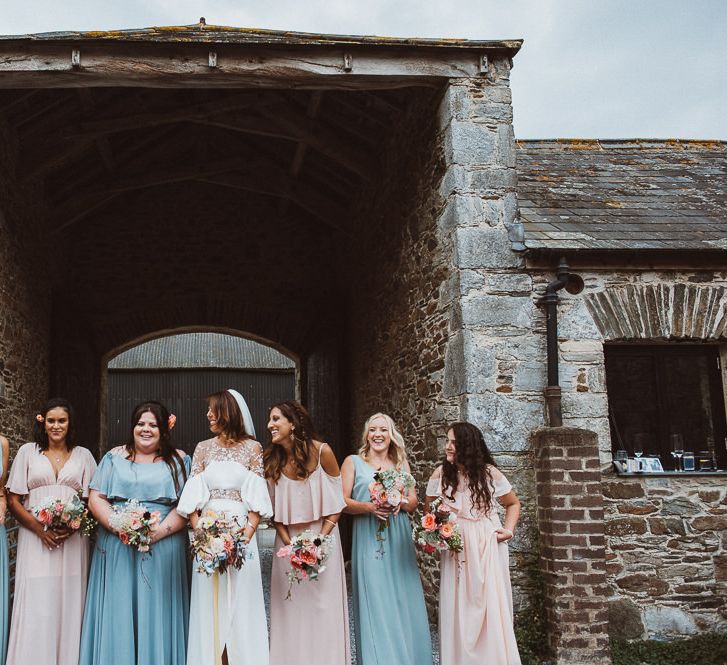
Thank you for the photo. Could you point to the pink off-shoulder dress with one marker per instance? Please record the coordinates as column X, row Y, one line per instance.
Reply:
column 312, row 626
column 475, row 596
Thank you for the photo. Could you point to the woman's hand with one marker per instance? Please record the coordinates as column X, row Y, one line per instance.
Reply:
column 51, row 538
column 503, row 535
column 382, row 512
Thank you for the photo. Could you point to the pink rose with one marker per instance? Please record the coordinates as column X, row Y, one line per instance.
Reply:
column 429, row 522
column 447, row 530
column 308, row 557
column 44, row 516
column 284, row 551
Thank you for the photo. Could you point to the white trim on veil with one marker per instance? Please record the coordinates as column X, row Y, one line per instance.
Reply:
column 246, row 415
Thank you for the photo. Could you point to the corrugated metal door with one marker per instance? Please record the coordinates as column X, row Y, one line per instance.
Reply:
column 183, row 392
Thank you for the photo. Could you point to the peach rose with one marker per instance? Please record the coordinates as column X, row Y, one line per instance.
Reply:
column 429, row 522
column 124, row 537
column 447, row 530
column 308, row 557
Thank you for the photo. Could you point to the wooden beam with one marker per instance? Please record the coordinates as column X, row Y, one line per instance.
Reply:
column 162, row 116
column 286, row 125
column 285, row 188
column 171, row 65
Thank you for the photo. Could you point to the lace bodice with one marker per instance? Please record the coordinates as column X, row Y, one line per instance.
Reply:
column 249, row 454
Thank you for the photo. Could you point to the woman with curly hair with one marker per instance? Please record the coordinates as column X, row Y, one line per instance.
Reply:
column 305, row 486
column 475, row 598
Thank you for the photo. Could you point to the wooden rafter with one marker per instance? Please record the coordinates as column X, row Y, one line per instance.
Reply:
column 102, row 143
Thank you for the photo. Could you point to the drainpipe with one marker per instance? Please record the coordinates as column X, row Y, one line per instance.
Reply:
column 550, row 300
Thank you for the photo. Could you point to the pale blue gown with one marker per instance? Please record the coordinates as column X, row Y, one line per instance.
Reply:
column 4, row 588
column 137, row 606
column 389, row 613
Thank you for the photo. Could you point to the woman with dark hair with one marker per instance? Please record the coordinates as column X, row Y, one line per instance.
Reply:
column 475, row 597
column 227, row 621
column 138, row 602
column 52, row 565
column 379, row 580
column 305, row 484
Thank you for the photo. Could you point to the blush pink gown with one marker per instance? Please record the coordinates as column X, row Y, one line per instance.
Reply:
column 50, row 585
column 475, row 597
column 312, row 626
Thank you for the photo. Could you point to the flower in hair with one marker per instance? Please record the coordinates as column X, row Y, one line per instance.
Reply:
column 39, row 417
column 171, row 421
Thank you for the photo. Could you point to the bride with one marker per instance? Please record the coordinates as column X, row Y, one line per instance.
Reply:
column 227, row 624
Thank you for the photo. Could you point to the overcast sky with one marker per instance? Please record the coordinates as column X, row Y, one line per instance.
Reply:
column 590, row 69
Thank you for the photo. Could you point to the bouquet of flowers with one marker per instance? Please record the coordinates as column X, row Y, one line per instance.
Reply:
column 133, row 523
column 389, row 489
column 307, row 554
column 218, row 542
column 71, row 514
column 438, row 530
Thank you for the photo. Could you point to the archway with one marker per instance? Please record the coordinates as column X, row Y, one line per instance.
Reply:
column 181, row 369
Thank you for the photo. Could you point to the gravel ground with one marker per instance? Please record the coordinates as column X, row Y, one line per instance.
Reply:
column 265, row 543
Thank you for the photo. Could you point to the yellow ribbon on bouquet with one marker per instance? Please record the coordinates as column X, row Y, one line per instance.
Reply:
column 216, row 616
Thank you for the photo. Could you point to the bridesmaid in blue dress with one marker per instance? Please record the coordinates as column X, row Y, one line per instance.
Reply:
column 137, row 606
column 4, row 589
column 390, row 616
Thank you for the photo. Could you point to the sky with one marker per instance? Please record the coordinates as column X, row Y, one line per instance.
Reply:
column 588, row 68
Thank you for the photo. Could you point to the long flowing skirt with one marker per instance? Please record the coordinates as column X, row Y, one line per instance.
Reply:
column 475, row 600
column 4, row 593
column 239, row 618
column 312, row 626
column 390, row 615
column 137, row 607
column 50, row 590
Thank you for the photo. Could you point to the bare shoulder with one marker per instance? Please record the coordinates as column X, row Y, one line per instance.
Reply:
column 348, row 463
column 328, row 459
column 4, row 443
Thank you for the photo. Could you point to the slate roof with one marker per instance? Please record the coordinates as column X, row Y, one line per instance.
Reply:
column 222, row 34
column 623, row 195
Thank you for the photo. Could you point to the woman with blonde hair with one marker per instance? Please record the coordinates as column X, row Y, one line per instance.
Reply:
column 383, row 573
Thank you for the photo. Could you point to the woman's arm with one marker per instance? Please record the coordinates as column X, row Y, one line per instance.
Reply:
column 100, row 508
column 4, row 477
column 51, row 539
column 282, row 531
column 428, row 498
column 511, row 504
column 172, row 523
column 353, row 507
column 330, row 466
column 412, row 500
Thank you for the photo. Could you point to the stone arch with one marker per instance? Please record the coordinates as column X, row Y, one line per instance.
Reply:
column 660, row 311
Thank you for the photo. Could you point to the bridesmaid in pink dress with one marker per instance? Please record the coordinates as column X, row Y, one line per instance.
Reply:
column 307, row 493
column 52, row 566
column 475, row 597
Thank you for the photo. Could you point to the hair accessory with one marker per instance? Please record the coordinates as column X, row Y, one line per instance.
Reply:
column 39, row 417
column 246, row 415
column 171, row 421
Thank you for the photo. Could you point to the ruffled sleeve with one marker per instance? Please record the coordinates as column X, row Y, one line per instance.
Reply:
column 254, row 492
column 103, row 477
column 18, row 476
column 88, row 469
column 434, row 486
column 500, row 484
column 194, row 495
column 303, row 501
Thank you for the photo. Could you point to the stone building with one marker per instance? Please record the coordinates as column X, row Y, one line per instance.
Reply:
column 361, row 204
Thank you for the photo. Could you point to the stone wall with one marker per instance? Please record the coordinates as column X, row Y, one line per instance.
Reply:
column 24, row 298
column 491, row 371
column 666, row 555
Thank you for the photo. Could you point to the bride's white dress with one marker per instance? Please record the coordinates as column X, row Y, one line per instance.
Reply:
column 230, row 480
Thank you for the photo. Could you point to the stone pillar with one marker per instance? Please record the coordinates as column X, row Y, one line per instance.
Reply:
column 572, row 544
